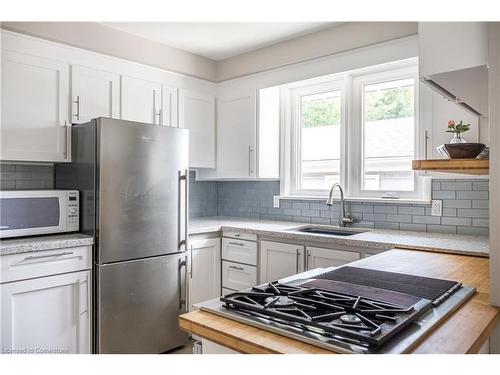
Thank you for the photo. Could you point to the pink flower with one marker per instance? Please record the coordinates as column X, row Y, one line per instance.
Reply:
column 451, row 123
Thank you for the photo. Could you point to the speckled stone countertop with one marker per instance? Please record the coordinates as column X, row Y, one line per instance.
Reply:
column 40, row 243
column 373, row 238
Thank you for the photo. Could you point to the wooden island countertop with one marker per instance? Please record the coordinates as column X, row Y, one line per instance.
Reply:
column 465, row 331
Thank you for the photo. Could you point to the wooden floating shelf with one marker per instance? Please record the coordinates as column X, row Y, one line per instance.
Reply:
column 463, row 166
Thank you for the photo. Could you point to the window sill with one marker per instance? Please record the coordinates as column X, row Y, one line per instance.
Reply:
column 277, row 198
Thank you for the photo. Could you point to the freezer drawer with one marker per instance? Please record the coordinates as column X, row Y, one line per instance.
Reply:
column 139, row 303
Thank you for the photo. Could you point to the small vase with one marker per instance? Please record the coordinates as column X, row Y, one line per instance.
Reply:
column 457, row 138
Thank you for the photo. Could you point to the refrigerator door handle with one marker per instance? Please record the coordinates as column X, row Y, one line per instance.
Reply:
column 184, row 242
column 183, row 301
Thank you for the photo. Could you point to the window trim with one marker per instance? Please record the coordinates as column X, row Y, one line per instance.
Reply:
column 334, row 83
column 393, row 71
column 289, row 156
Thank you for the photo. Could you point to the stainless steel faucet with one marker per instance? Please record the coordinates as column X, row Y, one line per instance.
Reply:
column 343, row 218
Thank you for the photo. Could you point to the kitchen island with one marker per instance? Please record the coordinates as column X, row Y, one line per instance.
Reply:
column 465, row 331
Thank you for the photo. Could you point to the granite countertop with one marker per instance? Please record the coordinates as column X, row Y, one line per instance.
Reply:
column 40, row 243
column 373, row 238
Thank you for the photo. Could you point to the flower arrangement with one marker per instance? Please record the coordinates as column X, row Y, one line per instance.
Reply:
column 457, row 128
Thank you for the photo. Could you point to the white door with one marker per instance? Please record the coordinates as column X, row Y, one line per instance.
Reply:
column 140, row 100
column 236, row 137
column 279, row 260
column 197, row 113
column 318, row 257
column 169, row 100
column 94, row 93
column 48, row 314
column 204, row 269
column 35, row 103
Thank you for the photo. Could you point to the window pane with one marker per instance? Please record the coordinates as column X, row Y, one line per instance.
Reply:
column 388, row 135
column 320, row 140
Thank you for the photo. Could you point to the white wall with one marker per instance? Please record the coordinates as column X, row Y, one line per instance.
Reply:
column 99, row 38
column 344, row 37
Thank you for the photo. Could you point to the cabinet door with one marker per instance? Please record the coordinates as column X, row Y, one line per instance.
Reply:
column 318, row 257
column 94, row 93
column 35, row 103
column 48, row 314
column 279, row 260
column 197, row 113
column 204, row 271
column 140, row 100
column 236, row 137
column 169, row 104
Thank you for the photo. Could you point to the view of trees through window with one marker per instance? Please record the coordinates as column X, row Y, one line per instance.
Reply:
column 381, row 104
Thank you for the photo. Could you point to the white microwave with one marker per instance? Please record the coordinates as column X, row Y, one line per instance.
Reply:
column 34, row 212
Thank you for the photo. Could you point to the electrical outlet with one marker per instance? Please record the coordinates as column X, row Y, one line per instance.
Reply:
column 437, row 207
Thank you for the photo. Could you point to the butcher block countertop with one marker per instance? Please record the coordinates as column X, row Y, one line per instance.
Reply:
column 465, row 331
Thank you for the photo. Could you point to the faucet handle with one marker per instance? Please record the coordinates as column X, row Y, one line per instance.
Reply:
column 347, row 219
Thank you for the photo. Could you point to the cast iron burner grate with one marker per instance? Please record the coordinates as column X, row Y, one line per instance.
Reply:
column 367, row 321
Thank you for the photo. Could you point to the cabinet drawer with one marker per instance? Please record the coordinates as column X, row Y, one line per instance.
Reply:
column 238, row 276
column 240, row 235
column 44, row 263
column 239, row 251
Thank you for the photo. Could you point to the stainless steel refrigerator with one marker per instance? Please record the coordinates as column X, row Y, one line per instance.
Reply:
column 133, row 183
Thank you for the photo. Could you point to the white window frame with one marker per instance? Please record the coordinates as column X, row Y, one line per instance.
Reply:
column 333, row 84
column 350, row 152
column 390, row 72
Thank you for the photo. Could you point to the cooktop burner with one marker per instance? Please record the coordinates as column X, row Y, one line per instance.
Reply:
column 368, row 321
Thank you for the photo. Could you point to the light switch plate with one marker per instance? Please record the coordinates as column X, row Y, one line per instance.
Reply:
column 437, row 207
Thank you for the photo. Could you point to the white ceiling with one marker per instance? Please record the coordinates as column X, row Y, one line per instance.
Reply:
column 219, row 40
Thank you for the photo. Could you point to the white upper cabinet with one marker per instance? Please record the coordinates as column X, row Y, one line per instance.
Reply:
column 197, row 113
column 94, row 93
column 236, row 133
column 140, row 100
column 35, row 101
column 169, row 104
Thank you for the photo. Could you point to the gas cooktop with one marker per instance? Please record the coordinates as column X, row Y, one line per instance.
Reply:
column 319, row 307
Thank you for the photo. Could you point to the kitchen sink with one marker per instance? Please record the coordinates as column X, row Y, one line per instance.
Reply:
column 326, row 230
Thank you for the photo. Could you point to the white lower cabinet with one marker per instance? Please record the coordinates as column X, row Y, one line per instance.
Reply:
column 204, row 270
column 238, row 276
column 46, row 315
column 279, row 260
column 318, row 257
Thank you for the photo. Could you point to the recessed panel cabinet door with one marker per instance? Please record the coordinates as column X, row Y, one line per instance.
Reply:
column 140, row 100
column 197, row 113
column 204, row 270
column 279, row 260
column 318, row 257
column 236, row 132
column 46, row 315
column 35, row 104
column 94, row 93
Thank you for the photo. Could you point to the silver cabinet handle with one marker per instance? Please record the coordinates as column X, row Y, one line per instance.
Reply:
column 154, row 106
column 77, row 102
column 160, row 117
column 308, row 258
column 236, row 243
column 65, row 152
column 250, row 170
column 191, row 261
column 32, row 257
column 297, row 255
column 237, row 268
column 426, row 141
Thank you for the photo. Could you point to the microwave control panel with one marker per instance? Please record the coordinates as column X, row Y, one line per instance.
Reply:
column 73, row 211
